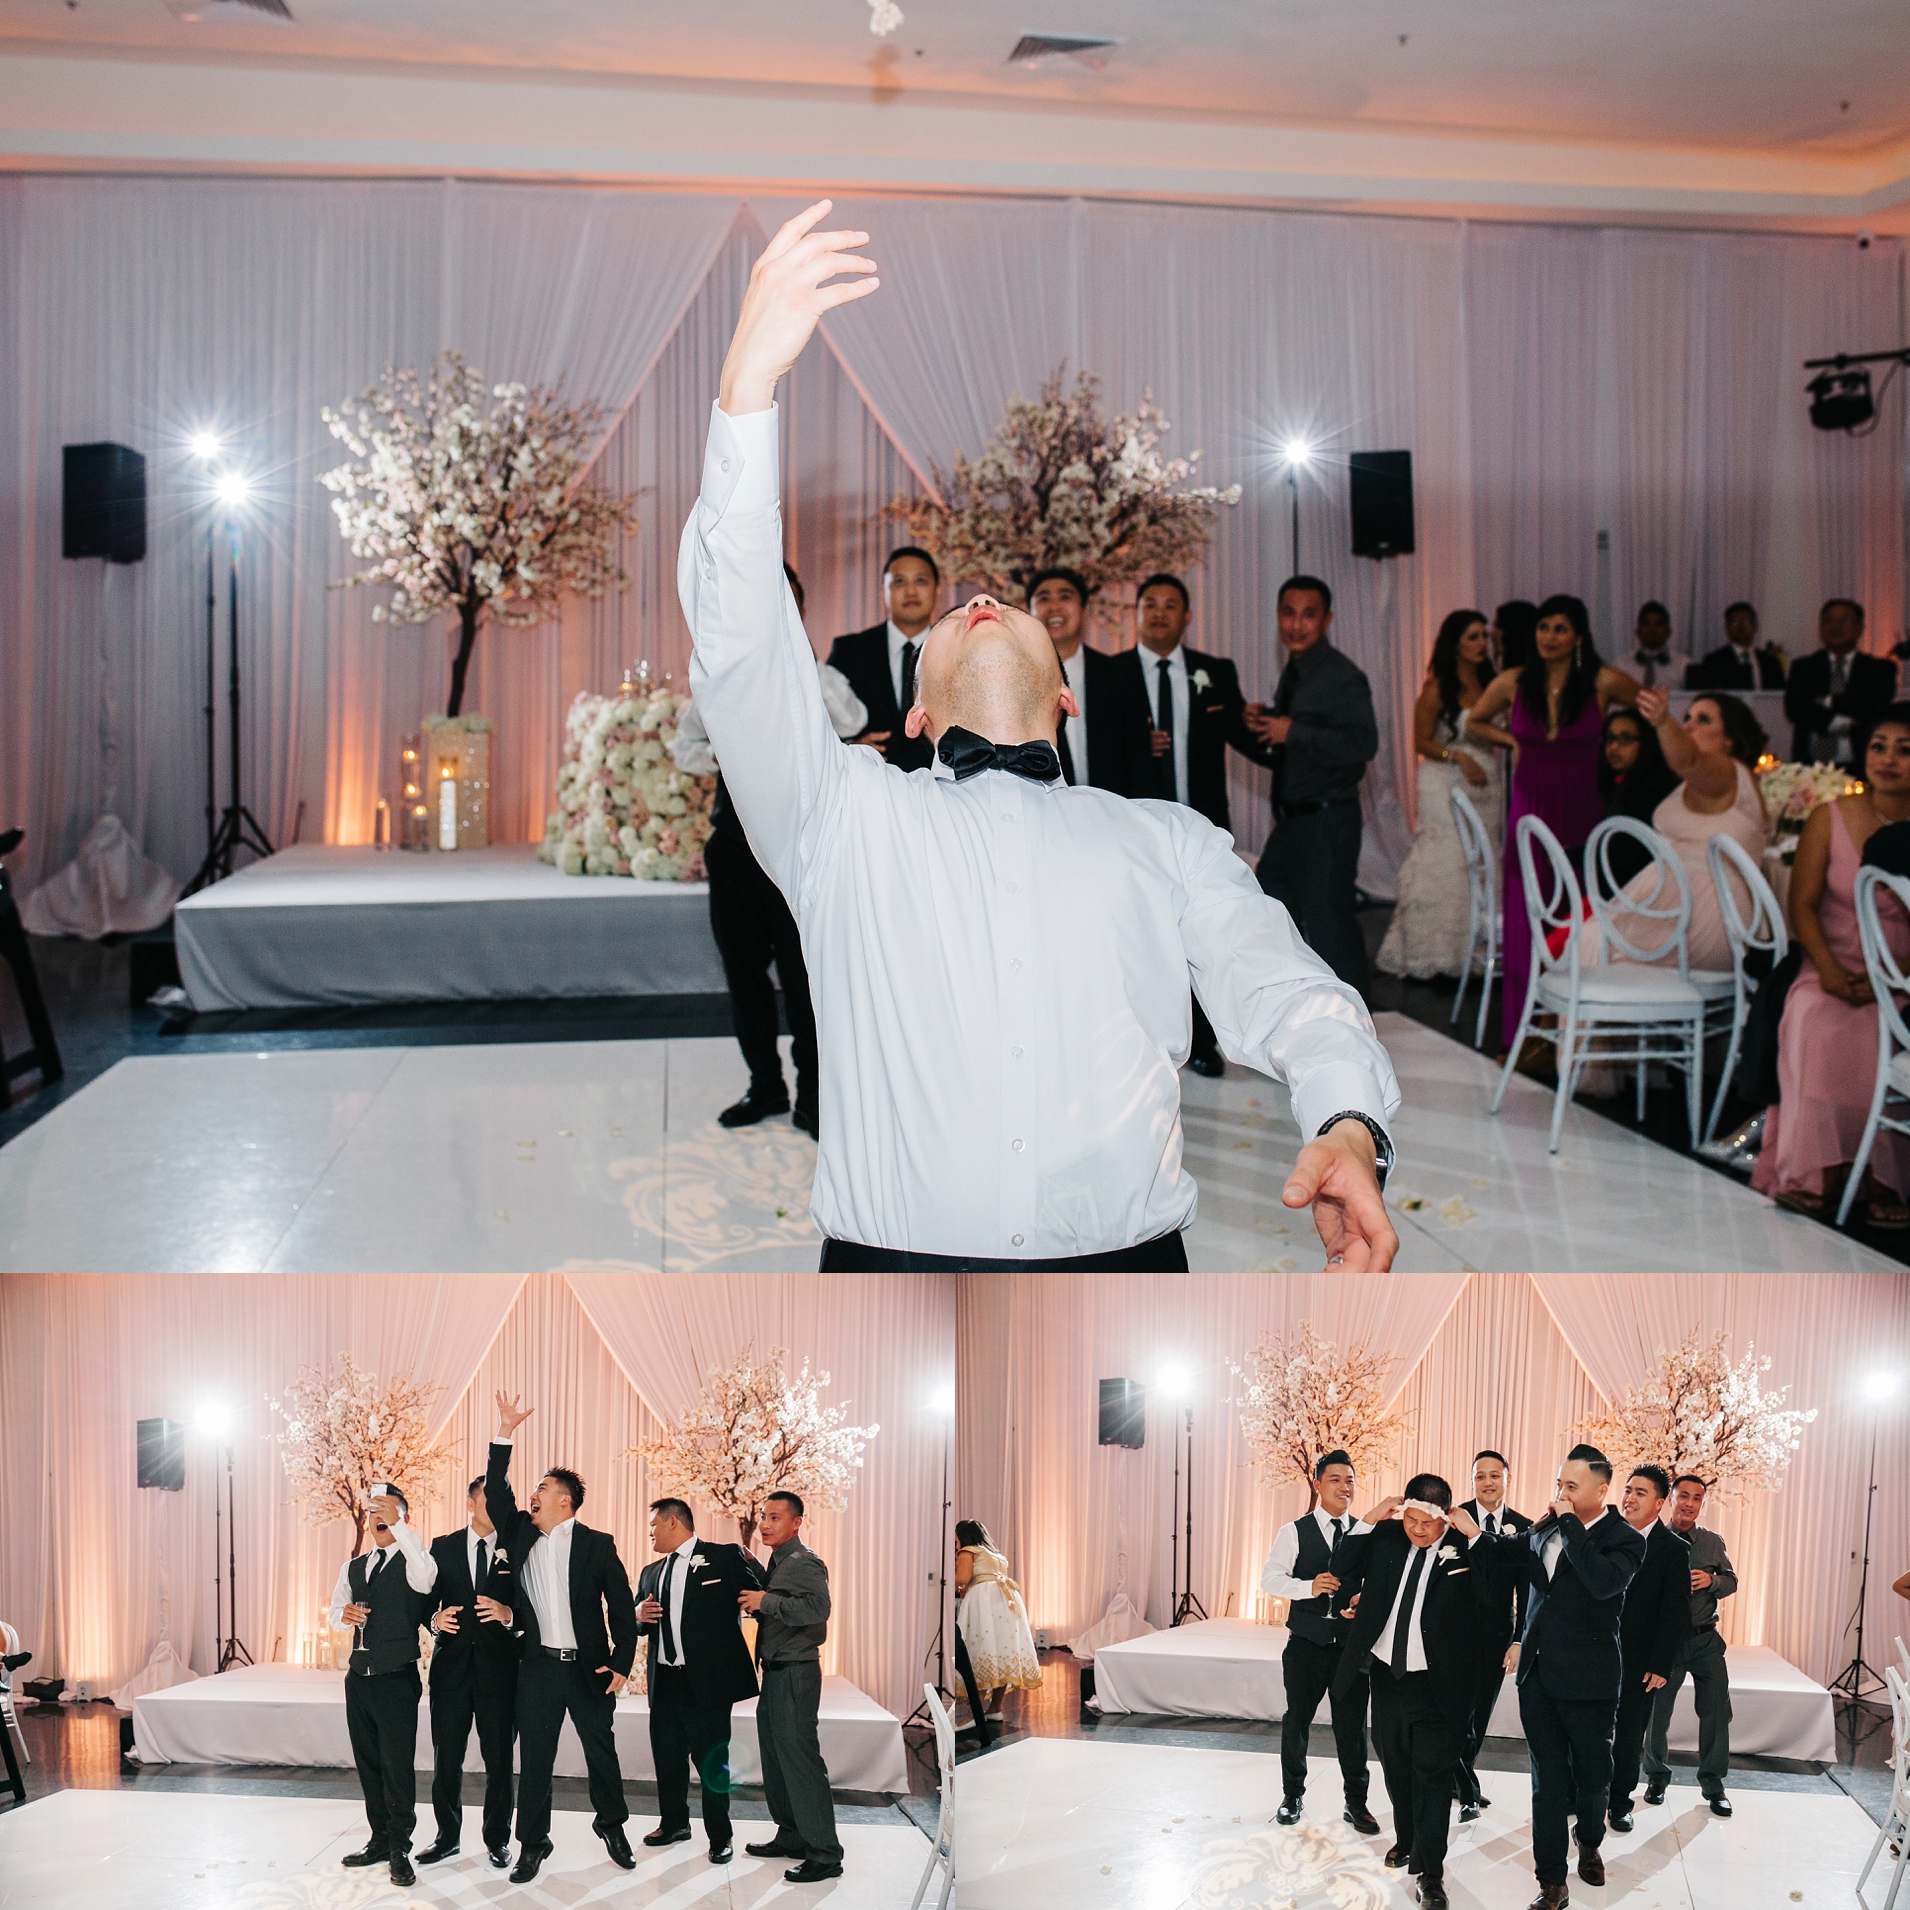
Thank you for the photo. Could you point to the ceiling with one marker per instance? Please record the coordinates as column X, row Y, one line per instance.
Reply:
column 1827, row 79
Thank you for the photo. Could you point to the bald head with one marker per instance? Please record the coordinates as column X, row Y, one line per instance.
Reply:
column 991, row 669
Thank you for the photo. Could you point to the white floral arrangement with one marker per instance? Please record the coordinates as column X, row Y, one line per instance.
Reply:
column 458, row 725
column 623, row 807
column 1299, row 1397
column 1792, row 790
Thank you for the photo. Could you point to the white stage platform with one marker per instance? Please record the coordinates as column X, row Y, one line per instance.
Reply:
column 315, row 926
column 1230, row 1668
column 283, row 1714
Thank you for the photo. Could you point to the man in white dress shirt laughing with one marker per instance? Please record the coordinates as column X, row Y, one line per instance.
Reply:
column 1000, row 963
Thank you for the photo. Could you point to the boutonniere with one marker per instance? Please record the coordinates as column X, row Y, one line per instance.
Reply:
column 697, row 1561
column 1449, row 1552
column 1201, row 680
column 500, row 1557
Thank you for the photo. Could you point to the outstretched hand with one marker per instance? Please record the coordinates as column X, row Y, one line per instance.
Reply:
column 510, row 1415
column 1338, row 1177
column 788, row 292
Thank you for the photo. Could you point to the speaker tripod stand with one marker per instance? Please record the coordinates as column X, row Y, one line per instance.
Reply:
column 939, row 1649
column 236, row 827
column 1186, row 1606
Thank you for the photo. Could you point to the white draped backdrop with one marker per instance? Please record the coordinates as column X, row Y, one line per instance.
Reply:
column 89, row 1558
column 1508, row 1361
column 1551, row 383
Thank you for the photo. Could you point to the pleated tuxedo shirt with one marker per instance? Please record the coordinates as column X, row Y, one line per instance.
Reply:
column 999, row 967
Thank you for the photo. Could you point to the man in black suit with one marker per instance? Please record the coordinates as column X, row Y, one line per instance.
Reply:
column 473, row 1679
column 1739, row 662
column 1578, row 1560
column 1836, row 693
column 1105, row 743
column 1319, row 736
column 880, row 661
column 577, row 1626
column 1417, row 1599
column 1498, row 1639
column 1656, row 1621
column 698, row 1666
column 1192, row 704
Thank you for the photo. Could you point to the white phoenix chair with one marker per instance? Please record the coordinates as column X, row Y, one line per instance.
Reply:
column 1482, row 885
column 9, row 1719
column 942, row 1851
column 1895, row 1829
column 1659, row 1011
column 1763, row 934
column 1888, row 984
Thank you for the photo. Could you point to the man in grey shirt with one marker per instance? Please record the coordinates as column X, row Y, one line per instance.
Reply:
column 792, row 1620
column 1701, row 1656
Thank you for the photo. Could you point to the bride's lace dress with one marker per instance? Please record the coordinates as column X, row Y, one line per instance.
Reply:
column 1428, row 931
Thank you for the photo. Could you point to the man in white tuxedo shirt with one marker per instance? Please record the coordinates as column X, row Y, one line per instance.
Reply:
column 1000, row 963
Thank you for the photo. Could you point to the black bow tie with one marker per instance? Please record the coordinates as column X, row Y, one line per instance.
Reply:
column 968, row 755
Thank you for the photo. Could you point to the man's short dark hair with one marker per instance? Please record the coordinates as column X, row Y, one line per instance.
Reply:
column 1168, row 581
column 790, row 1499
column 1650, row 606
column 392, row 1492
column 1339, row 1456
column 1302, row 581
column 675, row 1509
column 912, row 550
column 1844, row 603
column 1688, row 1478
column 1731, row 610
column 1591, row 1456
column 1656, row 1476
column 1072, row 578
column 1490, row 1454
column 476, row 1485
column 1431, row 1488
column 569, row 1481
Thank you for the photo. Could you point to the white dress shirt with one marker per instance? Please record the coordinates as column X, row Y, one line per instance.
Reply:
column 1497, row 1517
column 986, row 1091
column 1276, row 1575
column 421, row 1569
column 848, row 716
column 1176, row 661
column 1667, row 667
column 1553, row 1546
column 1415, row 1635
column 1075, row 670
column 679, row 1572
column 544, row 1572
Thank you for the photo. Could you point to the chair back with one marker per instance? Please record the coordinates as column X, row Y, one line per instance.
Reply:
column 1482, row 866
column 944, row 1737
column 1888, row 982
column 1552, row 903
column 1762, row 931
column 1649, row 917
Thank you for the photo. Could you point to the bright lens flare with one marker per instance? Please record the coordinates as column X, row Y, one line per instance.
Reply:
column 1174, row 1381
column 203, row 444
column 1881, row 1386
column 213, row 1418
column 233, row 489
column 1297, row 452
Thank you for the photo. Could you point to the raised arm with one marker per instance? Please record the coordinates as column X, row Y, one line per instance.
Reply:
column 1713, row 777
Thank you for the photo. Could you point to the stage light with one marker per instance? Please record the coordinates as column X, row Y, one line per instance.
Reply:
column 203, row 445
column 1174, row 1381
column 942, row 1400
column 213, row 1419
column 1297, row 453
column 1881, row 1386
column 233, row 488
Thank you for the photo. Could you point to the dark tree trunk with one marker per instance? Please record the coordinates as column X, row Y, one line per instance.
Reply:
column 461, row 664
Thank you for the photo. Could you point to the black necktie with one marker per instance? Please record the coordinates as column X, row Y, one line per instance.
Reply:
column 968, row 755
column 1403, row 1623
column 663, row 1599
column 1492, row 1522
column 1170, row 784
column 484, row 1564
column 909, row 651
column 1649, row 659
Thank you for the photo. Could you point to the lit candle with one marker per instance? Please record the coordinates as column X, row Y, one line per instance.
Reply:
column 448, row 807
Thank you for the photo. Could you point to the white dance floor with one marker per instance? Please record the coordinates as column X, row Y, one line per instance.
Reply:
column 318, row 926
column 1069, row 1825
column 131, row 1850
column 281, row 1714
column 532, row 1156
column 1230, row 1668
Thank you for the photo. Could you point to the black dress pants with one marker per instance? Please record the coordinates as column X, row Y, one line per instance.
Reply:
column 1466, row 1782
column 1311, row 863
column 1628, row 1737
column 1205, row 1041
column 1418, row 1750
column 547, row 1691
column 965, row 1670
column 484, row 1693
column 753, row 928
column 1309, row 1670
column 1165, row 1254
column 381, row 1714
column 681, row 1732
column 1569, row 1741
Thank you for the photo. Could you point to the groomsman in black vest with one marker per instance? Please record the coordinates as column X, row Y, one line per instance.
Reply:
column 1192, row 703
column 473, row 1680
column 1302, row 1568
column 1499, row 1635
column 880, row 661
column 1656, row 1622
column 577, row 1626
column 382, row 1596
column 698, row 1666
column 1105, row 745
column 1579, row 1560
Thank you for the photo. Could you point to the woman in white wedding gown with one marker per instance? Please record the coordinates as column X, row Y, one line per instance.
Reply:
column 1427, row 935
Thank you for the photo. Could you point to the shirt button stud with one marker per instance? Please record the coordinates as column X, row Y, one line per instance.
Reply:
column 1019, row 1145
column 726, row 464
column 1014, row 961
column 1012, row 886
column 1016, row 1052
column 1014, row 1240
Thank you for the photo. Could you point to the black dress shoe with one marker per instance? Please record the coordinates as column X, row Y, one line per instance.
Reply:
column 1398, row 1857
column 722, row 1855
column 1361, row 1819
column 804, row 1116
column 662, row 1836
column 810, row 1871
column 1552, row 1896
column 1289, row 1811
column 755, row 1106
column 498, row 1856
column 375, row 1852
column 774, row 1848
column 529, row 1858
column 1211, row 1065
column 1654, row 1793
column 1470, row 1813
column 1432, row 1895
column 1720, row 1805
column 1621, row 1821
column 1591, row 1866
column 618, row 1846
column 1485, row 1803
column 401, row 1870
column 436, row 1853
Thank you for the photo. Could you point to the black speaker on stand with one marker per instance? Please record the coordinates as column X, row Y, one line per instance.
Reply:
column 1382, row 499
column 103, row 502
column 1123, row 1413
column 162, row 1455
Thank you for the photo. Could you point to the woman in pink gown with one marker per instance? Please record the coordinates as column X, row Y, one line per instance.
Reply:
column 1555, row 708
column 1827, row 1042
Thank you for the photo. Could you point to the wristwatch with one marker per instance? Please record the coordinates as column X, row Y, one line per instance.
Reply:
column 1382, row 1141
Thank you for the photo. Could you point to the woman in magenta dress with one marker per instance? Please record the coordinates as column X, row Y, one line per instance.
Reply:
column 1555, row 718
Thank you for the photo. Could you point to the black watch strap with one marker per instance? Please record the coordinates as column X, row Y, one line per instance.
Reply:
column 1382, row 1141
